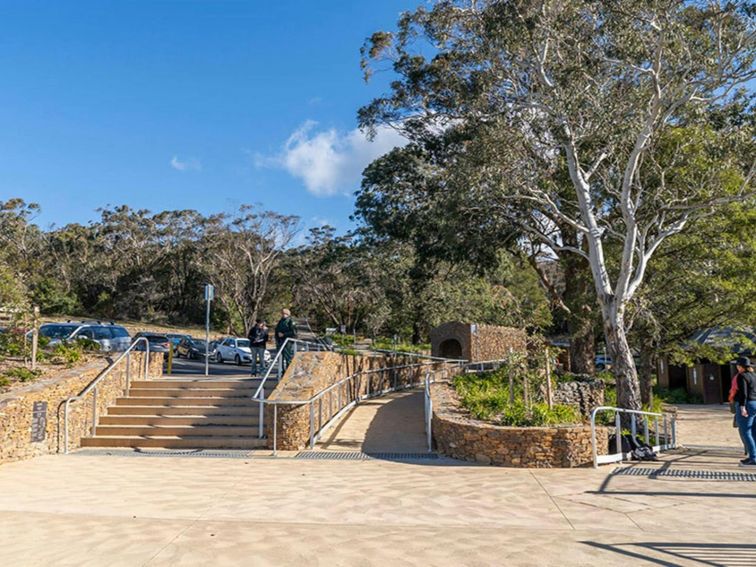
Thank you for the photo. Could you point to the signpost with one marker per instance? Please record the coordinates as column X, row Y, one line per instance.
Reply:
column 39, row 422
column 209, row 296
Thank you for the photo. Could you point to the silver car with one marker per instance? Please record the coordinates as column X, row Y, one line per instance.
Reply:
column 110, row 337
column 236, row 349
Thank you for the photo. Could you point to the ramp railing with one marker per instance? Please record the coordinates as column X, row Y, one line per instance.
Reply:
column 664, row 438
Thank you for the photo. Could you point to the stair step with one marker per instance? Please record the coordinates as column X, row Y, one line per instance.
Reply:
column 199, row 420
column 176, row 430
column 224, row 393
column 200, row 384
column 173, row 442
column 187, row 401
column 157, row 411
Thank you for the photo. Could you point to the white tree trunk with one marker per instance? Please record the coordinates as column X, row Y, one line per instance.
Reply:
column 623, row 363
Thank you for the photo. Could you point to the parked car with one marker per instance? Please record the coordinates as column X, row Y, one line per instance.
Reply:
column 234, row 348
column 158, row 342
column 193, row 348
column 109, row 336
column 603, row 362
column 175, row 339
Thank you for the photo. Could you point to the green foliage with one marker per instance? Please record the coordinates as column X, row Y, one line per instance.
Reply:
column 22, row 374
column 487, row 397
column 4, row 381
column 67, row 353
column 676, row 396
column 12, row 343
column 387, row 344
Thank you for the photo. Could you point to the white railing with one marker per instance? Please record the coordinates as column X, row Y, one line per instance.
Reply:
column 92, row 386
column 277, row 363
column 669, row 421
column 428, row 412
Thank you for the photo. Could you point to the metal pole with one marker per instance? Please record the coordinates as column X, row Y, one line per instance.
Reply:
column 645, row 428
column 147, row 360
column 593, row 440
column 275, row 423
column 666, row 430
column 549, row 395
column 312, row 424
column 674, row 431
column 35, row 338
column 656, row 431
column 633, row 426
column 207, row 339
column 618, row 433
column 94, row 410
column 65, row 428
column 128, row 372
column 261, row 414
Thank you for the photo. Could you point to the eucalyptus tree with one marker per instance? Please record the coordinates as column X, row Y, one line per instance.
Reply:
column 593, row 86
column 239, row 253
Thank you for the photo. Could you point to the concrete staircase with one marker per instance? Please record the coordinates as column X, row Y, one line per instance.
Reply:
column 196, row 413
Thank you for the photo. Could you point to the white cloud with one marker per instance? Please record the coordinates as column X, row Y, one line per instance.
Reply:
column 330, row 162
column 190, row 164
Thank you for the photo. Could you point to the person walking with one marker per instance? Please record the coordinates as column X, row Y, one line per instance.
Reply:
column 285, row 329
column 258, row 341
column 745, row 410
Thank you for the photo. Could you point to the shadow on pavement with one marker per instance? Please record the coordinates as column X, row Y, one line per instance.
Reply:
column 669, row 554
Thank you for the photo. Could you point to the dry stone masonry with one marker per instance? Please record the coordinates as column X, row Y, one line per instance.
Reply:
column 17, row 407
column 459, row 436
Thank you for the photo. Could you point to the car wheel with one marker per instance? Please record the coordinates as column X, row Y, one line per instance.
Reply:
column 238, row 361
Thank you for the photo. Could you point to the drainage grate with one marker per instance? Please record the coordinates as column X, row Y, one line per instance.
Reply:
column 358, row 456
column 192, row 453
column 681, row 473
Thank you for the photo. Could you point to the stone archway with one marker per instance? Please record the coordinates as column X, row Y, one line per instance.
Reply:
column 450, row 348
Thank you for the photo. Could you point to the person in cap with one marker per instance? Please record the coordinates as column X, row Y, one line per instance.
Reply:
column 286, row 329
column 258, row 340
column 745, row 408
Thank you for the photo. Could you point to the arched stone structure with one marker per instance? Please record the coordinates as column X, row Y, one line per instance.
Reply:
column 476, row 343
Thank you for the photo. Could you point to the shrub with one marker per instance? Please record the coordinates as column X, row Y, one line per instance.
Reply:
column 22, row 374
column 487, row 397
column 676, row 396
column 67, row 354
column 4, row 381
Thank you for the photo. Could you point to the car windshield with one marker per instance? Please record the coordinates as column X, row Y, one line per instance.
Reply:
column 242, row 343
column 56, row 331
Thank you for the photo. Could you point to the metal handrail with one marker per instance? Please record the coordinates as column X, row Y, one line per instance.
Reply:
column 620, row 455
column 315, row 435
column 99, row 378
column 417, row 355
column 278, row 359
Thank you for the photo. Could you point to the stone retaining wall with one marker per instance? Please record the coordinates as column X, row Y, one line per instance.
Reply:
column 16, row 406
column 313, row 372
column 584, row 393
column 459, row 436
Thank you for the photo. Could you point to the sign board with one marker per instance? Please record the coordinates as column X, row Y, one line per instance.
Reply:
column 39, row 422
column 209, row 292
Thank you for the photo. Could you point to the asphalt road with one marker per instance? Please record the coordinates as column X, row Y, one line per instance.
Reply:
column 182, row 366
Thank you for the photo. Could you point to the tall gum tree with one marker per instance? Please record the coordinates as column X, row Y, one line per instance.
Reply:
column 592, row 85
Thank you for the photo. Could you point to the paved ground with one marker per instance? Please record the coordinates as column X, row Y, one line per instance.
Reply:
column 392, row 423
column 137, row 510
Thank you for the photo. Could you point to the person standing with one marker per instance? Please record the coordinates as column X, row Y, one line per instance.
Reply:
column 745, row 411
column 285, row 329
column 258, row 340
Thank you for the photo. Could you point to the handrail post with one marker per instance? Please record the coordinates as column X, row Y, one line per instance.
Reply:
column 633, row 425
column 674, row 431
column 261, row 415
column 275, row 426
column 312, row 424
column 618, row 432
column 645, row 428
column 594, row 449
column 128, row 372
column 656, row 431
column 94, row 410
column 666, row 430
column 65, row 428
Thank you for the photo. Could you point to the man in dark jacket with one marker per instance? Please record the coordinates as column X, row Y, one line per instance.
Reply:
column 258, row 340
column 286, row 329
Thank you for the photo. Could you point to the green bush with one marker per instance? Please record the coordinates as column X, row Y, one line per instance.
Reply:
column 676, row 396
column 4, row 381
column 22, row 374
column 487, row 397
column 387, row 344
column 68, row 354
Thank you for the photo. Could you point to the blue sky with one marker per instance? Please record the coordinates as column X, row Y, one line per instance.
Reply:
column 186, row 104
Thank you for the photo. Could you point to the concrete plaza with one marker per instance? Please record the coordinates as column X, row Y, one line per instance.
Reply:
column 99, row 509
